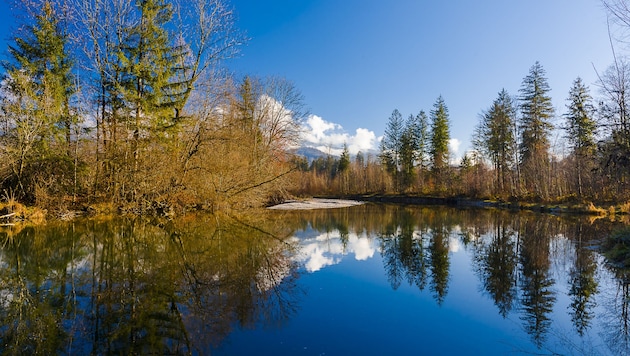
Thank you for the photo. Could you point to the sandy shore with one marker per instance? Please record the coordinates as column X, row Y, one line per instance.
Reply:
column 315, row 204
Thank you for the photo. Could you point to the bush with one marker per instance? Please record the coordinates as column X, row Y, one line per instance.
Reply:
column 46, row 182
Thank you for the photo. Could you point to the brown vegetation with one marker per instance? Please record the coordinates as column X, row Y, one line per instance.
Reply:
column 157, row 127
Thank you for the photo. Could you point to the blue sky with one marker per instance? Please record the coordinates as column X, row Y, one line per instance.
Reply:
column 356, row 61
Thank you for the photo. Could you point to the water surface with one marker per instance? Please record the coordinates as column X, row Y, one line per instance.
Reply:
column 369, row 280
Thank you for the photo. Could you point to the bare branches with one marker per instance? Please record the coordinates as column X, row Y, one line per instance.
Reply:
column 208, row 29
column 619, row 9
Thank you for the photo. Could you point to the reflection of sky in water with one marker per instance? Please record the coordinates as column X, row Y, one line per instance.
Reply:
column 327, row 249
column 452, row 290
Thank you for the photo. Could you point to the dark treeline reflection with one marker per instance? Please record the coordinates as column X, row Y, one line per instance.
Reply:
column 127, row 286
column 513, row 255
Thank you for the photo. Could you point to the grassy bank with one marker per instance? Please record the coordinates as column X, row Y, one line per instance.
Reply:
column 586, row 208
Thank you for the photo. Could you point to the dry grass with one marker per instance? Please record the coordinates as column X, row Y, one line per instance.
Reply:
column 612, row 211
column 21, row 213
column 624, row 208
column 591, row 208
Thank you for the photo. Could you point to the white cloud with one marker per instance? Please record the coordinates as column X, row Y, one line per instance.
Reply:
column 363, row 140
column 453, row 146
column 330, row 137
column 316, row 128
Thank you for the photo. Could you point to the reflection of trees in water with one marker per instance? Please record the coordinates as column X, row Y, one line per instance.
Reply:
column 128, row 287
column 511, row 256
column 515, row 252
column 414, row 246
column 616, row 318
column 582, row 279
column 537, row 296
column 35, row 293
column 440, row 263
column 403, row 252
column 414, row 241
column 496, row 262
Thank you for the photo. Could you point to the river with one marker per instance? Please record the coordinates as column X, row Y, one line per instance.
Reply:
column 372, row 279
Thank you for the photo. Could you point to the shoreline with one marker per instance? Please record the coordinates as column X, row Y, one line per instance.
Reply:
column 315, row 203
column 13, row 212
column 538, row 207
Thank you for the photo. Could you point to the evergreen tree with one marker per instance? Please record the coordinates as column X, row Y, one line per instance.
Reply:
column 422, row 135
column 536, row 114
column 580, row 128
column 497, row 136
column 413, row 144
column 440, row 135
column 344, row 160
column 148, row 66
column 38, row 89
column 409, row 146
column 391, row 145
column 360, row 159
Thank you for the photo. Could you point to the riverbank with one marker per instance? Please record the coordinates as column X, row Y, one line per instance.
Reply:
column 553, row 208
column 13, row 212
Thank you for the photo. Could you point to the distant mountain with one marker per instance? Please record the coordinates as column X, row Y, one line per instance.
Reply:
column 310, row 153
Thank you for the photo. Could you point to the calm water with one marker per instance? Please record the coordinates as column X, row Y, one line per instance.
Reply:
column 366, row 280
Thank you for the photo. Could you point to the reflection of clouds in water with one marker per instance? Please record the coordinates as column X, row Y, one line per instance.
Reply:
column 362, row 247
column 453, row 244
column 316, row 254
column 327, row 249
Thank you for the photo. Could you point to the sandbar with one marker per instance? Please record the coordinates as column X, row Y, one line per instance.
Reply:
column 316, row 203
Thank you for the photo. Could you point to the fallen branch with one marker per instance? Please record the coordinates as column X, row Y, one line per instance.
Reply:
column 7, row 216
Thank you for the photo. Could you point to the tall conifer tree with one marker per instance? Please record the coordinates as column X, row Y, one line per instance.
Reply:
column 440, row 135
column 580, row 129
column 391, row 145
column 497, row 136
column 409, row 146
column 148, row 66
column 535, row 127
column 39, row 88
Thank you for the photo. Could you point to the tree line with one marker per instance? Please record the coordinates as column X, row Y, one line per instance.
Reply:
column 127, row 103
column 512, row 155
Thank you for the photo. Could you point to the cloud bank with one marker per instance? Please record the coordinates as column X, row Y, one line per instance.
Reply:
column 330, row 137
column 453, row 146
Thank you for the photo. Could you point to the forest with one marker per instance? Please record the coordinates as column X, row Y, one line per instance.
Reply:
column 513, row 158
column 523, row 150
column 122, row 104
column 109, row 104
